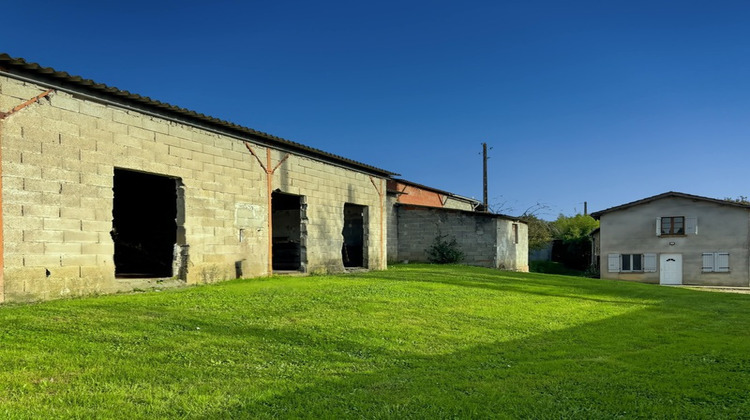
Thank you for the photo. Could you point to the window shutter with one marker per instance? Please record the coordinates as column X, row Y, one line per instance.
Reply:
column 649, row 263
column 658, row 226
column 708, row 262
column 613, row 263
column 691, row 225
column 722, row 262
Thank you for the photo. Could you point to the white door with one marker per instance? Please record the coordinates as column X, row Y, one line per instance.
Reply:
column 670, row 269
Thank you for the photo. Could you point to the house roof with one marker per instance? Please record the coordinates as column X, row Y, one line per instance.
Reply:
column 425, row 187
column 46, row 76
column 669, row 194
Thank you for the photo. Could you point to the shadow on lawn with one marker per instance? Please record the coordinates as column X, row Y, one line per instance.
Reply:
column 647, row 363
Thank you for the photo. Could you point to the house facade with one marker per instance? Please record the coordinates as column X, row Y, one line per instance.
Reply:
column 675, row 238
column 104, row 190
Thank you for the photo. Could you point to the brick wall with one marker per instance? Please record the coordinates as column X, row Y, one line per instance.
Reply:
column 58, row 161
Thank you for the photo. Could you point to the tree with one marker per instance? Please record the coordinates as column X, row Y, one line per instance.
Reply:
column 573, row 228
column 573, row 245
column 740, row 200
column 540, row 234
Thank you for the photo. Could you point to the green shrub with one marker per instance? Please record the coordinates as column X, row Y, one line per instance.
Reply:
column 444, row 251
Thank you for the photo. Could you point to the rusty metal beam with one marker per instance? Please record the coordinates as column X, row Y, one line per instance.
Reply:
column 4, row 115
column 379, row 189
column 269, row 174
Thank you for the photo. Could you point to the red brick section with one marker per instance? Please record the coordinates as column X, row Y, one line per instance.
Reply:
column 409, row 194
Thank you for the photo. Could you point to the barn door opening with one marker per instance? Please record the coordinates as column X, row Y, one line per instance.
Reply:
column 354, row 250
column 145, row 225
column 288, row 216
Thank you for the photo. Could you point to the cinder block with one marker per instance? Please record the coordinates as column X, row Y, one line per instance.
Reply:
column 94, row 109
column 20, row 90
column 62, row 248
column 65, row 101
column 156, row 125
column 126, row 118
column 98, row 248
column 43, row 236
column 81, row 213
column 24, row 170
column 25, row 198
column 96, row 226
column 189, row 144
column 42, row 185
column 24, row 248
column 180, row 152
column 78, row 260
column 112, row 126
column 23, row 222
column 61, row 224
column 43, row 261
column 128, row 140
column 80, row 236
column 141, row 133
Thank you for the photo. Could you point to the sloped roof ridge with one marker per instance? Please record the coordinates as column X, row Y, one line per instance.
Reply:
column 22, row 66
column 439, row 191
column 667, row 194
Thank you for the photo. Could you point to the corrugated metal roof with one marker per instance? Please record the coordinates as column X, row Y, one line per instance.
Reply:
column 54, row 78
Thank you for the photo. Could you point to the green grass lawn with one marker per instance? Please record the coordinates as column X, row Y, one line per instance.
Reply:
column 416, row 341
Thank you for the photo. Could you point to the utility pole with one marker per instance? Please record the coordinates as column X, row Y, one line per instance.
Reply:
column 484, row 159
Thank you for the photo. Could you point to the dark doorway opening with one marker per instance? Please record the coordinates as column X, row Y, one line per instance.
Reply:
column 144, row 225
column 354, row 250
column 288, row 231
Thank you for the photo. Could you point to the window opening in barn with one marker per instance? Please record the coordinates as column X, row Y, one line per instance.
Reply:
column 147, row 225
column 355, row 244
column 288, row 216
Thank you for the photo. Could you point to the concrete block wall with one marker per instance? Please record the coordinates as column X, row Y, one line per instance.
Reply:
column 58, row 160
column 512, row 246
column 485, row 239
column 418, row 227
column 392, row 228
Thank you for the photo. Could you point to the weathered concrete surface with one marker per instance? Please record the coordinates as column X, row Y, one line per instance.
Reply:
column 486, row 240
column 58, row 160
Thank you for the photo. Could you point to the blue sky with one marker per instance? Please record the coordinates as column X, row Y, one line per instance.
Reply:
column 598, row 101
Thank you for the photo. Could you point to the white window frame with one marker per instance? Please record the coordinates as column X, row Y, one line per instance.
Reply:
column 648, row 263
column 715, row 262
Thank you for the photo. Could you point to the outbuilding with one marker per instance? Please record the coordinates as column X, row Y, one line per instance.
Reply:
column 104, row 190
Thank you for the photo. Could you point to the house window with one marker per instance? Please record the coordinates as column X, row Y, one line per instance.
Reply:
column 631, row 262
column 715, row 262
column 673, row 225
column 515, row 233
